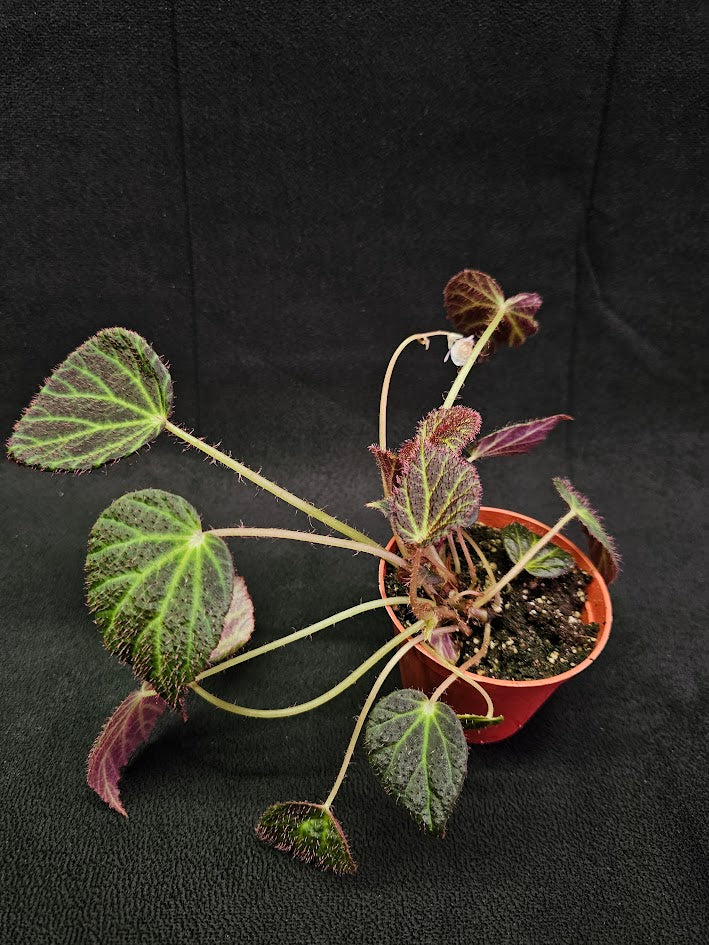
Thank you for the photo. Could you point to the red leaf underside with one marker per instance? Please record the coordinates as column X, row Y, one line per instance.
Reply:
column 238, row 623
column 516, row 438
column 129, row 726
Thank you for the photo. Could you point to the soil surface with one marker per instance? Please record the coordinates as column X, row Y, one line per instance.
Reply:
column 539, row 631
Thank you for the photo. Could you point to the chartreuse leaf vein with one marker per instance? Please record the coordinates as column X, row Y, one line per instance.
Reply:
column 159, row 609
column 418, row 750
column 107, row 399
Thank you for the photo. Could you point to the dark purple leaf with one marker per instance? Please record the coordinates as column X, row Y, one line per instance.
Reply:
column 128, row 728
column 516, row 438
column 472, row 299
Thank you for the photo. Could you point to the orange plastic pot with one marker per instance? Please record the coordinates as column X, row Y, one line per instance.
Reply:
column 516, row 700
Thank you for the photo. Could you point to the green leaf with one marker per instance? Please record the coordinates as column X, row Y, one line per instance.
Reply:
column 159, row 588
column 473, row 722
column 602, row 547
column 437, row 492
column 418, row 750
column 551, row 561
column 107, row 399
column 309, row 832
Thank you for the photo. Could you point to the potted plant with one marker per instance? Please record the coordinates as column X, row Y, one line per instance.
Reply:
column 468, row 587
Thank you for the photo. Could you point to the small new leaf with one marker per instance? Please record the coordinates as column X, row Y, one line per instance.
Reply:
column 159, row 588
column 309, row 832
column 551, row 561
column 437, row 492
column 516, row 438
column 472, row 299
column 446, row 643
column 418, row 751
column 128, row 728
column 238, row 623
column 107, row 399
column 474, row 722
column 454, row 427
column 388, row 464
column 602, row 548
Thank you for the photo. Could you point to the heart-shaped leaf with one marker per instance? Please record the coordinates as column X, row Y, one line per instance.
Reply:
column 454, row 427
column 418, row 751
column 472, row 299
column 127, row 728
column 159, row 587
column 437, row 492
column 107, row 399
column 238, row 623
column 516, row 438
column 309, row 832
column 551, row 561
column 602, row 548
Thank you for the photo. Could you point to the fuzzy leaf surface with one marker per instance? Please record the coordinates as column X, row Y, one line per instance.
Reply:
column 472, row 299
column 551, row 561
column 607, row 563
column 159, row 588
column 107, row 399
column 516, row 438
column 309, row 832
column 388, row 464
column 453, row 427
column 437, row 492
column 602, row 547
column 238, row 623
column 419, row 753
column 128, row 727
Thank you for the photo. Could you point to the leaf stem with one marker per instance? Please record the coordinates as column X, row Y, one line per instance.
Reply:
column 454, row 554
column 300, row 634
column 481, row 555
column 473, row 357
column 421, row 337
column 319, row 700
column 531, row 552
column 472, row 571
column 312, row 538
column 269, row 486
column 435, row 559
column 373, row 693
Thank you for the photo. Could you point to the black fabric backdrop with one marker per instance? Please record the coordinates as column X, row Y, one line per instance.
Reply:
column 274, row 195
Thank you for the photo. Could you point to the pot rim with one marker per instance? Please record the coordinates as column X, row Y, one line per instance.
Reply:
column 581, row 559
